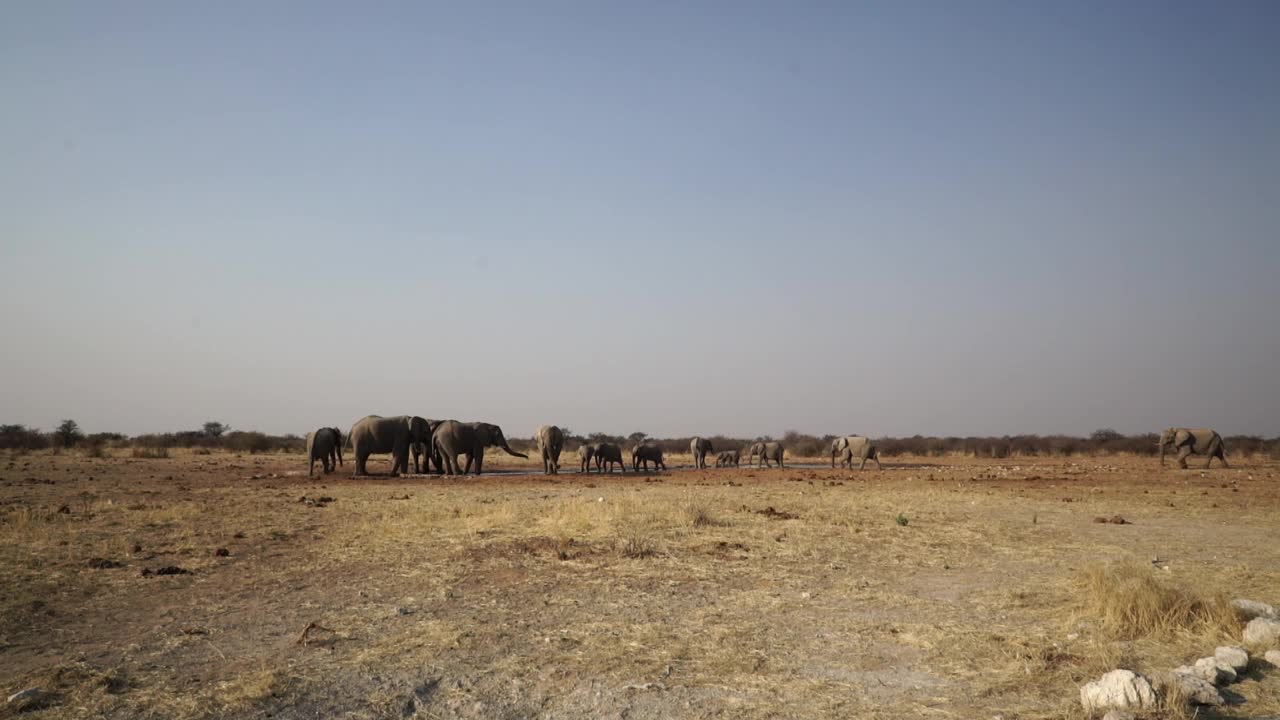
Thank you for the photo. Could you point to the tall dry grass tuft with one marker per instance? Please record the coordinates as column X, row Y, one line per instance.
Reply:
column 1131, row 602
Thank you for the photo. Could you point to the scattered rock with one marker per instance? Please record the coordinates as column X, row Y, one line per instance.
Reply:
column 772, row 514
column 1197, row 690
column 1113, row 520
column 1117, row 689
column 1213, row 671
column 1263, row 632
column 1273, row 657
column 1119, row 715
column 222, row 552
column 23, row 695
column 315, row 502
column 1251, row 609
column 104, row 564
column 166, row 570
column 1232, row 656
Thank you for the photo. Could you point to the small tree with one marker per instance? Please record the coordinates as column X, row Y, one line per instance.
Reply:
column 68, row 433
column 215, row 429
column 637, row 437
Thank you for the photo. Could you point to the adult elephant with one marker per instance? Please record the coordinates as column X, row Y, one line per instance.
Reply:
column 1193, row 441
column 453, row 438
column 700, row 447
column 375, row 434
column 771, row 451
column 586, row 453
column 608, row 454
column 646, row 453
column 854, row 446
column 425, row 452
column 550, row 441
column 324, row 445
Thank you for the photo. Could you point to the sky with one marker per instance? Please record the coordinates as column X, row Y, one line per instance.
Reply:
column 671, row 217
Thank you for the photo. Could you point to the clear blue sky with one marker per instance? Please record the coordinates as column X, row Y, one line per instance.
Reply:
column 887, row 218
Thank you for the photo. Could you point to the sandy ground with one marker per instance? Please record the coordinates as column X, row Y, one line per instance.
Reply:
column 942, row 588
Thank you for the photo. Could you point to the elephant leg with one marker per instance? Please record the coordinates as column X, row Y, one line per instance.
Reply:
column 1183, row 454
column 311, row 466
column 479, row 460
column 876, row 457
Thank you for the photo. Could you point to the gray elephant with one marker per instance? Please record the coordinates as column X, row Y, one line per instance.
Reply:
column 424, row 452
column 1193, row 441
column 609, row 454
column 771, row 451
column 700, row 447
column 550, row 440
column 376, row 434
column 453, row 438
column 646, row 453
column 854, row 446
column 324, row 445
column 756, row 448
column 728, row 458
column 586, row 453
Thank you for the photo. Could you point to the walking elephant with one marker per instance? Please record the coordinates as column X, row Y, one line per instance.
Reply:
column 771, row 451
column 728, row 458
column 453, row 438
column 610, row 455
column 1193, row 441
column 324, row 445
column 756, row 448
column 375, row 434
column 854, row 446
column 700, row 447
column 586, row 453
column 550, row 440
column 645, row 453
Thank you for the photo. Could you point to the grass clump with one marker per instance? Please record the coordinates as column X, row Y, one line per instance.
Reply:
column 1129, row 601
column 901, row 520
column 637, row 546
column 151, row 453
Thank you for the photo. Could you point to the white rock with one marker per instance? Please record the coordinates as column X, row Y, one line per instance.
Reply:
column 1119, row 715
column 24, row 695
column 1117, row 689
column 1234, row 656
column 1252, row 609
column 1214, row 671
column 1262, row 631
column 1198, row 690
column 1273, row 657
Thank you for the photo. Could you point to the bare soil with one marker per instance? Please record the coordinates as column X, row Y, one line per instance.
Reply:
column 203, row 586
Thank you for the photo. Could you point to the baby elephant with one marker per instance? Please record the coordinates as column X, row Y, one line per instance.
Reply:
column 324, row 445
column 586, row 454
column 728, row 458
column 646, row 453
column 610, row 455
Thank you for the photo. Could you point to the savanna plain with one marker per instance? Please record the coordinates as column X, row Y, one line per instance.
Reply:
column 233, row 586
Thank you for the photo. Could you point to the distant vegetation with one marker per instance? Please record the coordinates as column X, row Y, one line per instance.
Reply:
column 216, row 435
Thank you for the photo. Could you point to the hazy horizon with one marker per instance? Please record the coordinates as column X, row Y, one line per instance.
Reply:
column 984, row 218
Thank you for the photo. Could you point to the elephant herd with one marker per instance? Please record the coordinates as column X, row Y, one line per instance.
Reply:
column 439, row 443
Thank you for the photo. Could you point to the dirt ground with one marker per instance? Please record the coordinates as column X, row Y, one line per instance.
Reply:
column 935, row 588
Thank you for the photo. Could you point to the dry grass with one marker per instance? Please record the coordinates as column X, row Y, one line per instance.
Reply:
column 735, row 593
column 1131, row 601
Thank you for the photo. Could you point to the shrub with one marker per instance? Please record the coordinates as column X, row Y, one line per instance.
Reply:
column 151, row 453
column 1131, row 602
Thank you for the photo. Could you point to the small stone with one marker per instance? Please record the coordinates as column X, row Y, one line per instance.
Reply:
column 222, row 552
column 1117, row 689
column 1263, row 632
column 1197, row 690
column 404, row 611
column 1119, row 715
column 1251, row 609
column 1232, row 656
column 22, row 695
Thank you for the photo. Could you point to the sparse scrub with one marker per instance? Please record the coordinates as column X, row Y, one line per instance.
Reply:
column 1131, row 602
column 636, row 546
column 150, row 453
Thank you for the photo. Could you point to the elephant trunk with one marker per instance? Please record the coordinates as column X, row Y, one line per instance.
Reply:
column 509, row 451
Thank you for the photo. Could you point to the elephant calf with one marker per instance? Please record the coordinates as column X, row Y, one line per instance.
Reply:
column 771, row 451
column 586, row 453
column 728, row 458
column 854, row 446
column 610, row 455
column 324, row 445
column 1193, row 441
column 645, row 453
